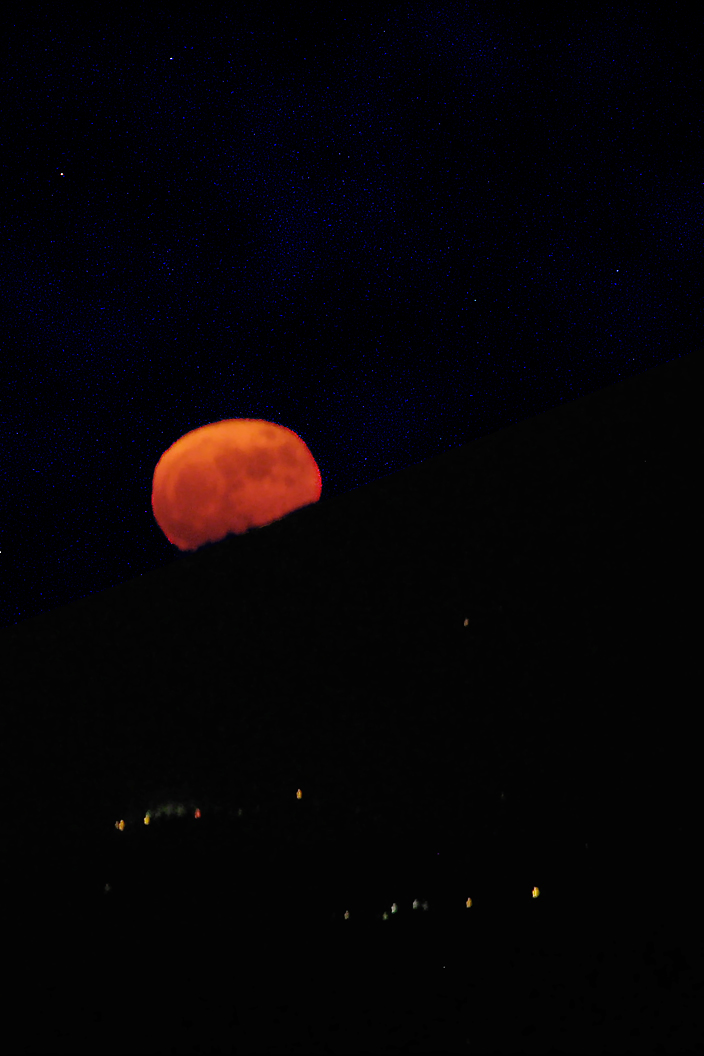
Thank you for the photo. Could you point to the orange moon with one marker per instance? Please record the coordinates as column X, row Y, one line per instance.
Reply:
column 228, row 477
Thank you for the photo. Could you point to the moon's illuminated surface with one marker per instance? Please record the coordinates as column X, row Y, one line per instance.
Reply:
column 228, row 477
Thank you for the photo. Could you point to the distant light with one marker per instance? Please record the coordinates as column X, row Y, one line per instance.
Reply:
column 468, row 903
column 299, row 794
column 197, row 813
column 536, row 892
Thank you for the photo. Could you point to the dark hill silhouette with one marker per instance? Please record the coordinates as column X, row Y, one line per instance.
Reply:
column 488, row 655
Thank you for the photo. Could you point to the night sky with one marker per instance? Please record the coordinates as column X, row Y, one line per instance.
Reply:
column 460, row 255
column 392, row 232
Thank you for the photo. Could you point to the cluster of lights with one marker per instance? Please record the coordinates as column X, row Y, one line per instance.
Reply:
column 179, row 810
column 169, row 810
column 417, row 904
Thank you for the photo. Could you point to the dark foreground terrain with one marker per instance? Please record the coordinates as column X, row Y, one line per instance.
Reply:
column 207, row 939
column 482, row 673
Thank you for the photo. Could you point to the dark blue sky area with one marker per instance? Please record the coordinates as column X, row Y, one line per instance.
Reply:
column 392, row 232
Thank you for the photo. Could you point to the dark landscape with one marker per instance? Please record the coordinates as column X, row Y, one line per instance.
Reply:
column 479, row 673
